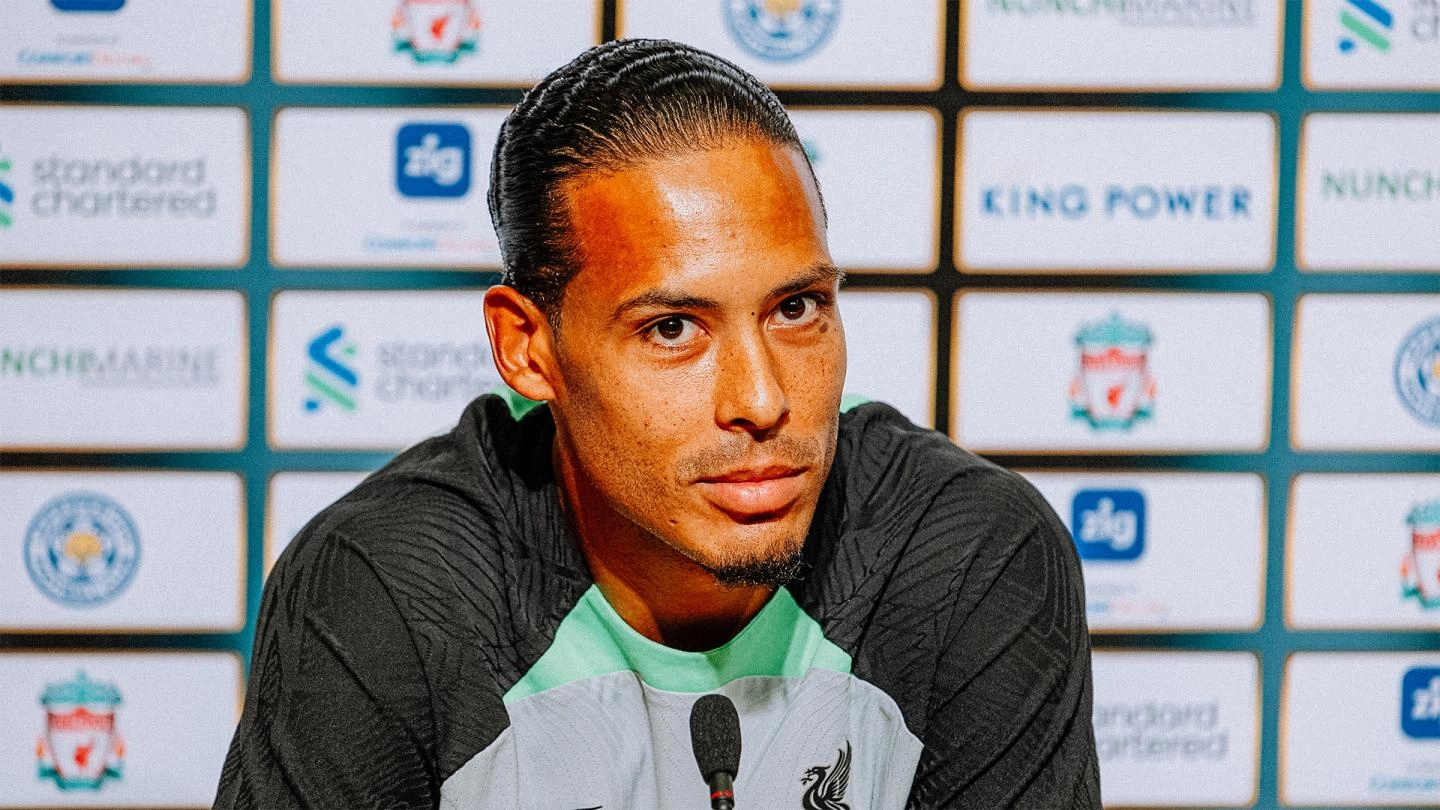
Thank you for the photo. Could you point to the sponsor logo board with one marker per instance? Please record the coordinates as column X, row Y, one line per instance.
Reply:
column 459, row 42
column 294, row 498
column 122, row 369
column 111, row 40
column 1372, row 43
column 880, row 175
column 1112, row 372
column 133, row 729
column 1360, row 729
column 820, row 43
column 1150, row 192
column 1044, row 44
column 81, row 745
column 784, row 31
column 890, row 340
column 374, row 369
column 414, row 203
column 137, row 551
column 1155, row 547
column 1370, row 192
column 1367, row 372
column 1364, row 552
column 114, row 187
column 1177, row 729
column 1420, row 703
column 88, row 5
column 435, row 30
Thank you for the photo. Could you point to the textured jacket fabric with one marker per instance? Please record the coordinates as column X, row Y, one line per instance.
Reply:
column 396, row 628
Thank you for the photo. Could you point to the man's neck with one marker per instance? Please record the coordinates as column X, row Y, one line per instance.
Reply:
column 661, row 594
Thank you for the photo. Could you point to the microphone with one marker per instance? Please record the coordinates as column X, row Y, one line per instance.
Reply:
column 715, row 736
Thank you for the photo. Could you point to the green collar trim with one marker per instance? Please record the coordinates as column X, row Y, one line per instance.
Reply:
column 781, row 641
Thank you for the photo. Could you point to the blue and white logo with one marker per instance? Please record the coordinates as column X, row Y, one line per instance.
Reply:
column 330, row 377
column 1109, row 524
column 432, row 160
column 1417, row 372
column 81, row 549
column 781, row 30
column 88, row 5
column 1420, row 703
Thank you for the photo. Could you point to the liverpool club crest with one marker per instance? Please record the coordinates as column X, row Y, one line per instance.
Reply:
column 1113, row 389
column 435, row 30
column 1420, row 570
column 80, row 747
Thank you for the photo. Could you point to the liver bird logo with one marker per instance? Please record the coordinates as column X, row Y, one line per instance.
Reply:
column 828, row 783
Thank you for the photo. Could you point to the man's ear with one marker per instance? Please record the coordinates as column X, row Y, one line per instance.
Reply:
column 521, row 342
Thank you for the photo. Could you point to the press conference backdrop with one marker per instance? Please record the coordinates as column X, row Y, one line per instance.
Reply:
column 1176, row 261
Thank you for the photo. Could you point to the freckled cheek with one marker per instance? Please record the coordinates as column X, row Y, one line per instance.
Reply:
column 817, row 373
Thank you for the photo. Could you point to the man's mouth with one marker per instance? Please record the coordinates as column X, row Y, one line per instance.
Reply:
column 754, row 491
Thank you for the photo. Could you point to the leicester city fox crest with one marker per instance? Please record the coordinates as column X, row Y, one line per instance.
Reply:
column 1112, row 388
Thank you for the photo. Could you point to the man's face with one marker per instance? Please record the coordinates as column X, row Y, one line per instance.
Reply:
column 701, row 354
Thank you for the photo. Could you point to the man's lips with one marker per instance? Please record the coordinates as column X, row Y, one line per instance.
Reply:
column 754, row 491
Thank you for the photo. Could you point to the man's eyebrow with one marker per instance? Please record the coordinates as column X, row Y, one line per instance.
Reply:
column 675, row 300
column 663, row 299
column 822, row 272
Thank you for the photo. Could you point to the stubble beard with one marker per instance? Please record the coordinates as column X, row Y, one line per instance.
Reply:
column 761, row 571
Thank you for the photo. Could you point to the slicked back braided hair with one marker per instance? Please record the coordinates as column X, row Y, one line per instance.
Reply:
column 612, row 107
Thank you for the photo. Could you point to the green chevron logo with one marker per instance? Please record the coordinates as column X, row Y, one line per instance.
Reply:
column 1366, row 21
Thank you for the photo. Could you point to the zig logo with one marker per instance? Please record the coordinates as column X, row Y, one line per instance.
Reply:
column 88, row 5
column 329, row 377
column 7, row 193
column 1109, row 524
column 1371, row 28
column 1420, row 703
column 432, row 160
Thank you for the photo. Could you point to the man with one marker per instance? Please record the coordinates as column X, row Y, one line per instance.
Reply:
column 521, row 613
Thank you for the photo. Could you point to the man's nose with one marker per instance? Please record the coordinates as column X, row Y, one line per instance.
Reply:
column 749, row 392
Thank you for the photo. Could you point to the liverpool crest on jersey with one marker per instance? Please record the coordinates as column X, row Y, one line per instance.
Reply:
column 435, row 30
column 827, row 784
column 80, row 747
column 1112, row 388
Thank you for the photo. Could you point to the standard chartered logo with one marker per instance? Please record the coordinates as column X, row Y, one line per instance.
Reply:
column 395, row 372
column 330, row 380
column 1161, row 731
column 7, row 193
column 1366, row 21
column 1370, row 26
column 133, row 187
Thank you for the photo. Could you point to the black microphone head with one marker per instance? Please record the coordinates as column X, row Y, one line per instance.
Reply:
column 715, row 735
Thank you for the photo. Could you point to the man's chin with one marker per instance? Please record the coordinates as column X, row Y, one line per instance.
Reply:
column 756, row 562
column 758, row 572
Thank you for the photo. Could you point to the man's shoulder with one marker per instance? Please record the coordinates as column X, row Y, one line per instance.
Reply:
column 462, row 500
column 936, row 492
column 885, row 449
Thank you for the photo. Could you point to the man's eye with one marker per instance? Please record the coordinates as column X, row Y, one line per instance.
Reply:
column 672, row 331
column 798, row 310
